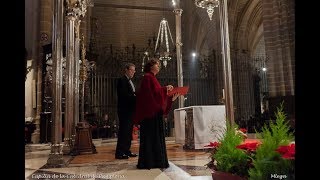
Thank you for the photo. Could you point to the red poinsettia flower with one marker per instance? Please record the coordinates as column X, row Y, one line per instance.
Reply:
column 244, row 130
column 287, row 152
column 249, row 146
column 213, row 145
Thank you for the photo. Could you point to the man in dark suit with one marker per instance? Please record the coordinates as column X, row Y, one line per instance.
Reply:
column 126, row 106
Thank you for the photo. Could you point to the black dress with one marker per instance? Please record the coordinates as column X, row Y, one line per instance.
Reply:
column 152, row 149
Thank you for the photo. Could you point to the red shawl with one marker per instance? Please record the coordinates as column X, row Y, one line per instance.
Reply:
column 151, row 99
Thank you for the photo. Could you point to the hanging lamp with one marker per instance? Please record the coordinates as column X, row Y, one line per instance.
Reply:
column 207, row 4
column 162, row 47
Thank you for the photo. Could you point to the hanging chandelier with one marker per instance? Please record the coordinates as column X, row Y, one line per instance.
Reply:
column 164, row 49
column 208, row 4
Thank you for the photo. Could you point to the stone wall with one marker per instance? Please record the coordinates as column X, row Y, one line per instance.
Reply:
column 279, row 24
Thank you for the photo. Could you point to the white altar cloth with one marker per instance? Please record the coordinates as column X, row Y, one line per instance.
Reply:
column 204, row 117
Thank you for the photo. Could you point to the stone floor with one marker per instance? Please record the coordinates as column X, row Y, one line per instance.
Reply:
column 184, row 164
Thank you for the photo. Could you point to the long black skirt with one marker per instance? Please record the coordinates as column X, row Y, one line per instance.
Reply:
column 152, row 149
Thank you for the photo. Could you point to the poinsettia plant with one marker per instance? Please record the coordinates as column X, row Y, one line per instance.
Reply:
column 232, row 153
column 272, row 154
column 275, row 157
column 288, row 151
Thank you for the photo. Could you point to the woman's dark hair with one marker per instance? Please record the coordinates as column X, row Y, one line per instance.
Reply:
column 149, row 64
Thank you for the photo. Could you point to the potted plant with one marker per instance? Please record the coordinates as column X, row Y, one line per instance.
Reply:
column 270, row 156
column 228, row 161
column 275, row 157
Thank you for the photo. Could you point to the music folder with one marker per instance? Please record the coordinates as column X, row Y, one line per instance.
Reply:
column 181, row 90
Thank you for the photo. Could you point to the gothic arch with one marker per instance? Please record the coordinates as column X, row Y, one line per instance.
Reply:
column 244, row 29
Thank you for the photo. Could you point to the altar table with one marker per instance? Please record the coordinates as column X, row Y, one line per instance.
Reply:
column 193, row 125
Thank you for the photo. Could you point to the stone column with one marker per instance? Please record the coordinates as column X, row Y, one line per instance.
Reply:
column 45, row 20
column 225, row 45
column 81, row 73
column 56, row 157
column 76, row 77
column 76, row 9
column 178, row 13
column 69, row 111
column 83, row 77
column 279, row 34
column 35, row 137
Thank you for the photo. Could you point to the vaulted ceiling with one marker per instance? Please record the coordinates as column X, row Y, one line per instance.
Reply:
column 126, row 22
column 123, row 23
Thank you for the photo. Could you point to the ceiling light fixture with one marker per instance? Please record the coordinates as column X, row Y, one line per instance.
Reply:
column 207, row 4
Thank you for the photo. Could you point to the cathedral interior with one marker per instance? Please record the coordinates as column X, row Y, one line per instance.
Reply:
column 239, row 54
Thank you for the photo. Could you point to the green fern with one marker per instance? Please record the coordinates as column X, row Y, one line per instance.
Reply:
column 267, row 161
column 228, row 157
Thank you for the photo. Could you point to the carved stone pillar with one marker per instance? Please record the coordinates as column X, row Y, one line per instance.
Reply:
column 225, row 45
column 178, row 13
column 56, row 157
column 35, row 137
column 69, row 112
column 76, row 78
column 83, row 78
column 75, row 9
